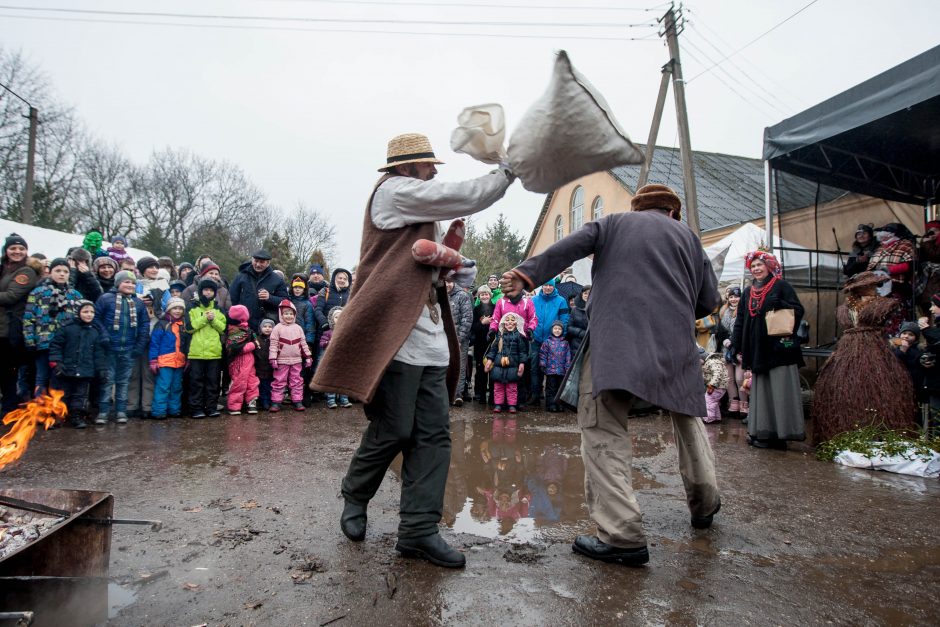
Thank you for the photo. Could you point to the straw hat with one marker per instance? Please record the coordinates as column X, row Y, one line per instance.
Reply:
column 409, row 148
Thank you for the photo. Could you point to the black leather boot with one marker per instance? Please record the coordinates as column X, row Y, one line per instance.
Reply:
column 433, row 549
column 353, row 521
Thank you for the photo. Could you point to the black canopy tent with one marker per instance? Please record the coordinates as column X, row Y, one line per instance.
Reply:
column 880, row 138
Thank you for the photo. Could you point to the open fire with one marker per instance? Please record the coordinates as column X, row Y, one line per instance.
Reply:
column 43, row 410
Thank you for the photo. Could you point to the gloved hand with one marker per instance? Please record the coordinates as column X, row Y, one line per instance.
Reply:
column 153, row 366
column 463, row 276
column 249, row 347
column 273, row 363
column 308, row 363
column 726, row 343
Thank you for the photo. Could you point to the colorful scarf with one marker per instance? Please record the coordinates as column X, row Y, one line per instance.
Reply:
column 769, row 260
column 58, row 297
column 119, row 301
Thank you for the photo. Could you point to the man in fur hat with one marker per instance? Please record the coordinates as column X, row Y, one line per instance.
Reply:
column 405, row 367
column 648, row 310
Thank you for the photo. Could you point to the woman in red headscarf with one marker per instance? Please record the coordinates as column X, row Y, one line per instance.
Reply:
column 776, row 407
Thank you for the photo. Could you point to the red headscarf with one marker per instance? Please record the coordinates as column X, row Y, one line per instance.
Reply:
column 773, row 266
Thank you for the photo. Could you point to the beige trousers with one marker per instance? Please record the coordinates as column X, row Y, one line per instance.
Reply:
column 608, row 454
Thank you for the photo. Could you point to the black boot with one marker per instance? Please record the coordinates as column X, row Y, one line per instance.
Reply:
column 78, row 422
column 592, row 547
column 433, row 549
column 353, row 521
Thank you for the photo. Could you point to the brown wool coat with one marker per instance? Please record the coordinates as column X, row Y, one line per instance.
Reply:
column 650, row 282
column 390, row 291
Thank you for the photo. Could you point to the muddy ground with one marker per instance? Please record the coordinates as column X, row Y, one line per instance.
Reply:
column 250, row 533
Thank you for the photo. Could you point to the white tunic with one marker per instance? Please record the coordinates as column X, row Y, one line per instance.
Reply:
column 401, row 201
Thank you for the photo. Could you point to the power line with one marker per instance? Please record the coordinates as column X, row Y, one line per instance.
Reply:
column 25, row 101
column 470, row 5
column 272, row 18
column 688, row 42
column 755, row 40
column 698, row 21
column 762, row 111
column 324, row 30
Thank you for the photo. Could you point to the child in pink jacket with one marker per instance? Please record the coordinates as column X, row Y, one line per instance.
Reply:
column 240, row 345
column 288, row 355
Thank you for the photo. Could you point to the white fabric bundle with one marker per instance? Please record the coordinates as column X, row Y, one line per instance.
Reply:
column 480, row 133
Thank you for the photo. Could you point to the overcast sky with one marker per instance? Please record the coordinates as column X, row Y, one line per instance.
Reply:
column 307, row 113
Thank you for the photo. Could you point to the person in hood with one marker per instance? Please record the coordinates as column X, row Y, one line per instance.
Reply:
column 169, row 344
column 577, row 319
column 49, row 306
column 863, row 248
column 19, row 274
column 240, row 344
column 258, row 288
column 209, row 270
column 118, row 249
column 554, row 361
column 206, row 325
column 81, row 276
column 289, row 354
column 186, row 273
column 105, row 268
column 336, row 294
column 307, row 321
column 78, row 353
column 895, row 255
column 550, row 307
column 506, row 359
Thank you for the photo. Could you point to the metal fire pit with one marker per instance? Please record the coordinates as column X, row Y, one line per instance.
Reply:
column 62, row 576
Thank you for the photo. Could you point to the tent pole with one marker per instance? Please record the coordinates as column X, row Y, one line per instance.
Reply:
column 768, row 207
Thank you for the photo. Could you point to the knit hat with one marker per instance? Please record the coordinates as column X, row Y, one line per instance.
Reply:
column 184, row 265
column 286, row 304
column 119, row 239
column 104, row 261
column 238, row 313
column 492, row 276
column 124, row 275
column 164, row 274
column 12, row 240
column 655, row 196
column 910, row 327
column 315, row 268
column 933, row 224
column 408, row 148
column 267, row 322
column 734, row 291
column 84, row 303
column 558, row 323
column 176, row 284
column 208, row 284
column 207, row 266
column 146, row 262
column 175, row 301
column 58, row 261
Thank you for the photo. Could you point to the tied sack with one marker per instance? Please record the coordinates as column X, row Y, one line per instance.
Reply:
column 567, row 133
column 780, row 322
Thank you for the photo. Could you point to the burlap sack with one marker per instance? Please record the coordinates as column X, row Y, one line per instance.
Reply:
column 569, row 132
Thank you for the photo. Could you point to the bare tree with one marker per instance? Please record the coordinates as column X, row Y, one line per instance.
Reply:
column 105, row 194
column 309, row 230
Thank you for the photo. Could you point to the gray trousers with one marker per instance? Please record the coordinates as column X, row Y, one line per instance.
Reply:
column 608, row 455
column 407, row 415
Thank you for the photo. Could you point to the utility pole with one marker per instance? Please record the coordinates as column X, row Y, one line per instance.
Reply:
column 654, row 127
column 27, row 210
column 685, row 144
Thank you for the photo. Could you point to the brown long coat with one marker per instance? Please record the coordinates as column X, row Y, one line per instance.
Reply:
column 650, row 281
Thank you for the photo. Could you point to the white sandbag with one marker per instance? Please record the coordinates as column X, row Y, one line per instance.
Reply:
column 569, row 132
column 918, row 465
column 480, row 133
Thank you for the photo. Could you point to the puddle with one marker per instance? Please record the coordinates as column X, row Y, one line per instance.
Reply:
column 119, row 598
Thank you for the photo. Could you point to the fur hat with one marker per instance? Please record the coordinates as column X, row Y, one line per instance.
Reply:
column 146, row 262
column 238, row 313
column 655, row 196
column 520, row 323
column 863, row 280
column 103, row 261
column 208, row 284
column 124, row 275
column 331, row 315
column 266, row 322
column 175, row 301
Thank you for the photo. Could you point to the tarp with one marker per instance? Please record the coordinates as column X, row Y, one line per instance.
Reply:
column 800, row 264
column 53, row 243
column 880, row 138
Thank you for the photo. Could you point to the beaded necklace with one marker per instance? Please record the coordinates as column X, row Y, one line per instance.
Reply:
column 758, row 294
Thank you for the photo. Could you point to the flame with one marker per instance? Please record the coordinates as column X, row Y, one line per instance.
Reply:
column 43, row 410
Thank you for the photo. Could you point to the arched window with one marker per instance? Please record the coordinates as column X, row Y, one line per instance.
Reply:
column 597, row 209
column 559, row 228
column 577, row 210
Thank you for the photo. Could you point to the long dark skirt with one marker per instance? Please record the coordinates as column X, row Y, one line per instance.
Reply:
column 776, row 409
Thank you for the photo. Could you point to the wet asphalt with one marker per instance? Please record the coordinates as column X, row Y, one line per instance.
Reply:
column 250, row 535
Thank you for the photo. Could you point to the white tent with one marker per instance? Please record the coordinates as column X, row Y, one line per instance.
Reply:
column 53, row 243
column 798, row 262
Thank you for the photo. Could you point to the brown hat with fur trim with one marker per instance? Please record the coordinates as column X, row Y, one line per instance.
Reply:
column 655, row 196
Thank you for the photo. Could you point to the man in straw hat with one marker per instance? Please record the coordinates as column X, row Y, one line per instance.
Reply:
column 405, row 367
column 650, row 281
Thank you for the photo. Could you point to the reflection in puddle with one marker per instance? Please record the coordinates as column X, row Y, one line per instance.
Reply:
column 118, row 598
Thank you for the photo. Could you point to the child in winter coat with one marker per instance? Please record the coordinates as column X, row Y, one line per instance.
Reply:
column 169, row 343
column 288, row 355
column 554, row 360
column 206, row 324
column 117, row 249
column 240, row 350
column 50, row 305
column 263, row 368
column 716, row 382
column 77, row 354
column 332, row 400
column 506, row 359
column 306, row 319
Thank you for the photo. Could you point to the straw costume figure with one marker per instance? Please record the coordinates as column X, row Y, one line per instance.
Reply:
column 862, row 383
